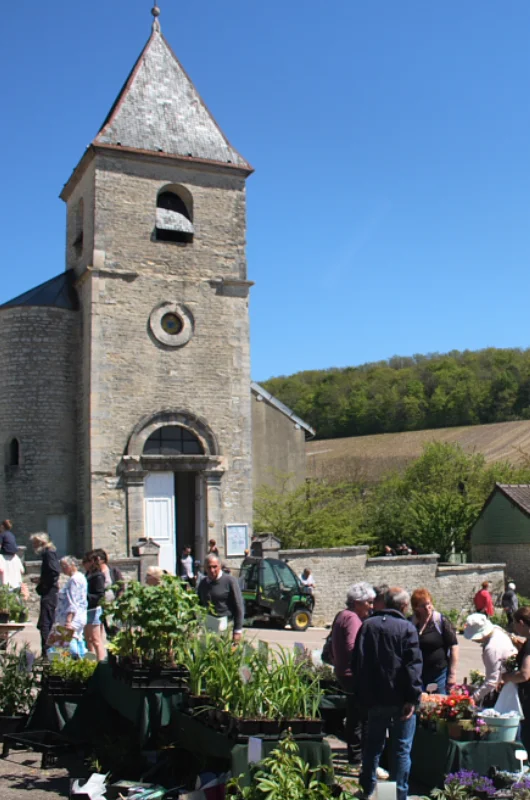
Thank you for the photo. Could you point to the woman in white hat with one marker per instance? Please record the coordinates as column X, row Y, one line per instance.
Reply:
column 497, row 648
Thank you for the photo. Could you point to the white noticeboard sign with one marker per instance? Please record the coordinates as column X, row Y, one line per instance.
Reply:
column 236, row 539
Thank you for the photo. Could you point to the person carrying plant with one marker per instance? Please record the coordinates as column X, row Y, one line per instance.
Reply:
column 386, row 668
column 521, row 677
column 497, row 648
column 223, row 593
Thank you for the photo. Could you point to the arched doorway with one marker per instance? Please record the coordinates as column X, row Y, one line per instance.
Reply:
column 170, row 497
column 172, row 472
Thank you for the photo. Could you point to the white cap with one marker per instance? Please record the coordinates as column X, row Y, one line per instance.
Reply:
column 477, row 627
column 511, row 586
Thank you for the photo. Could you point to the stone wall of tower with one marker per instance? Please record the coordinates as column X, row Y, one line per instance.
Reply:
column 80, row 261
column 131, row 375
column 38, row 407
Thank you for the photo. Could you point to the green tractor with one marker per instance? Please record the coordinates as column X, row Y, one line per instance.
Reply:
column 273, row 594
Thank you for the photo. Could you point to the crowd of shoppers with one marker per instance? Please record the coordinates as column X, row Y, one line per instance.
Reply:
column 77, row 606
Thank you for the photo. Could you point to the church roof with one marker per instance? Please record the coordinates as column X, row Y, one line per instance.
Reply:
column 159, row 110
column 58, row 292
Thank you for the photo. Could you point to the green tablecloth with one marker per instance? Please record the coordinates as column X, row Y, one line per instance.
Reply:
column 146, row 710
column 211, row 745
column 434, row 755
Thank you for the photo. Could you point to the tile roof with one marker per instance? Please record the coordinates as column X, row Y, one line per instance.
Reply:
column 159, row 110
column 58, row 292
column 518, row 493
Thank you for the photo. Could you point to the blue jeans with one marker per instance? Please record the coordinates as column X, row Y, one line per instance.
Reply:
column 381, row 719
column 439, row 678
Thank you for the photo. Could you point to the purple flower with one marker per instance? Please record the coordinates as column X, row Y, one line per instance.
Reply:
column 471, row 780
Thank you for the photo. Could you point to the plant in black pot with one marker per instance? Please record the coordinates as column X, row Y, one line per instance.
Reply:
column 17, row 689
column 69, row 676
column 12, row 607
column 155, row 625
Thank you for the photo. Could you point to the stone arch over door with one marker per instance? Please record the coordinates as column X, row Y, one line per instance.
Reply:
column 148, row 425
column 208, row 468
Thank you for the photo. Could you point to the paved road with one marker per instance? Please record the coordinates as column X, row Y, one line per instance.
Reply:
column 313, row 639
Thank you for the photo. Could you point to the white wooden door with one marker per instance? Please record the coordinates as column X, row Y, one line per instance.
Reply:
column 159, row 507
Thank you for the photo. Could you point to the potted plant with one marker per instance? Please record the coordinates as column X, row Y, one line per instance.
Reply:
column 12, row 607
column 69, row 676
column 155, row 624
column 283, row 774
column 17, row 689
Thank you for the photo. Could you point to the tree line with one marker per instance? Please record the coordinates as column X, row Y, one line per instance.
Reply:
column 431, row 506
column 411, row 393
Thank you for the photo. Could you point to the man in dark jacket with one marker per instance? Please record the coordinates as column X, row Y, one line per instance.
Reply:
column 387, row 666
column 222, row 591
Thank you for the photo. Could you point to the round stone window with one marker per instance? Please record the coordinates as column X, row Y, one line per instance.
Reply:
column 171, row 324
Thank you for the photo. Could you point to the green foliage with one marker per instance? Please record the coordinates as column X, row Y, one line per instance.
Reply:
column 434, row 503
column 431, row 506
column 17, row 682
column 283, row 774
column 311, row 515
column 416, row 393
column 72, row 669
column 11, row 601
column 155, row 621
column 251, row 683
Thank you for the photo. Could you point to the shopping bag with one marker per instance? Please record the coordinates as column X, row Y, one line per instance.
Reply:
column 508, row 701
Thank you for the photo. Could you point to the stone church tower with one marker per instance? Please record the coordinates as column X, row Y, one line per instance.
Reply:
column 136, row 359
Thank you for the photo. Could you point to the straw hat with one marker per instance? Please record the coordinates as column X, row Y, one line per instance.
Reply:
column 478, row 626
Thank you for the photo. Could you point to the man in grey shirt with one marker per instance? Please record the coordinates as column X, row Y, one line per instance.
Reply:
column 222, row 591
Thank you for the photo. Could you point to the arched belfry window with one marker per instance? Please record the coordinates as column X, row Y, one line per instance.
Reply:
column 13, row 453
column 174, row 215
column 173, row 440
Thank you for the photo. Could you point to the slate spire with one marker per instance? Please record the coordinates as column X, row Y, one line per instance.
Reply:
column 160, row 110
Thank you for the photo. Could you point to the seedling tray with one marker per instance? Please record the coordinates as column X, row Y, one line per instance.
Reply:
column 62, row 687
column 158, row 678
column 50, row 744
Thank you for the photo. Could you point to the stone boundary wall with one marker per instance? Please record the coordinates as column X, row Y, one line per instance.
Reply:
column 335, row 569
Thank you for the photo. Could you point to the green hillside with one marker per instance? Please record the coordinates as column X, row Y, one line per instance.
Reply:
column 411, row 393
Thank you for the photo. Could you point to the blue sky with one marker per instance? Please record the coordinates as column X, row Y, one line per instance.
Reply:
column 389, row 210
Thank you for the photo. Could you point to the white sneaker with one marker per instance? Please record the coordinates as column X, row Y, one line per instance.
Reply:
column 382, row 774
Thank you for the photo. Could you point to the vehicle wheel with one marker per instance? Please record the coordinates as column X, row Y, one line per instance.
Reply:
column 300, row 619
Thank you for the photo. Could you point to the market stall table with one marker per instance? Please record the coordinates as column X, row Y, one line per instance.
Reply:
column 8, row 630
column 211, row 745
column 434, row 755
column 147, row 709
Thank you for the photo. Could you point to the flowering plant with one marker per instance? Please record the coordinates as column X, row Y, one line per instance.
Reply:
column 455, row 707
column 521, row 788
column 511, row 664
column 472, row 781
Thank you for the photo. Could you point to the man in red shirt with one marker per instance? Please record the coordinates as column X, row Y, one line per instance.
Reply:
column 483, row 600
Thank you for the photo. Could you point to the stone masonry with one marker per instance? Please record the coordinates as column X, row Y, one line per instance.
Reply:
column 335, row 570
